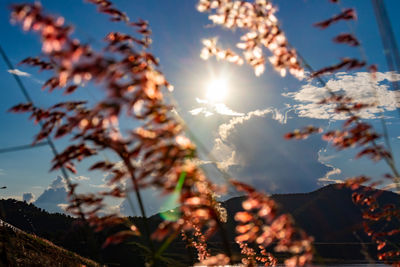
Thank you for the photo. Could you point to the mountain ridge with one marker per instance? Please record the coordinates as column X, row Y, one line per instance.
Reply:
column 328, row 214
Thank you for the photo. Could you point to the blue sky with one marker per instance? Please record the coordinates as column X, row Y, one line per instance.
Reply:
column 261, row 154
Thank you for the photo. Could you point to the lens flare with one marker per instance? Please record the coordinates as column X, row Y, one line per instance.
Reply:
column 169, row 210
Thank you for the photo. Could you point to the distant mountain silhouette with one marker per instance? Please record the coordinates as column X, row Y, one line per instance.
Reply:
column 327, row 214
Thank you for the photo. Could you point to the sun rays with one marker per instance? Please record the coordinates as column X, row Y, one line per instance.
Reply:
column 217, row 90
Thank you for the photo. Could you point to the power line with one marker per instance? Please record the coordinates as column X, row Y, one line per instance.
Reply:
column 363, row 54
column 22, row 147
column 390, row 47
column 29, row 99
column 16, row 77
column 49, row 140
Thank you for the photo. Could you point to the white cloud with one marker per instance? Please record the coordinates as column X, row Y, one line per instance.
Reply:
column 394, row 187
column 210, row 108
column 225, row 153
column 201, row 101
column 24, row 74
column 358, row 86
column 28, row 197
column 63, row 206
column 197, row 111
column 19, row 73
column 265, row 160
column 224, row 110
column 58, row 183
column 2, row 172
column 81, row 178
column 225, row 129
column 99, row 185
column 326, row 179
column 54, row 197
column 109, row 209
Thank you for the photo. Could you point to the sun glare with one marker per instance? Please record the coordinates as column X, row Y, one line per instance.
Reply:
column 217, row 90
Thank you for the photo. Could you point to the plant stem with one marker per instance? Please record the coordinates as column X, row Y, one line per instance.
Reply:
column 131, row 171
column 225, row 240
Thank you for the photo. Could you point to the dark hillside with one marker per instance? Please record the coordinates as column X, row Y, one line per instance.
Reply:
column 327, row 214
column 21, row 249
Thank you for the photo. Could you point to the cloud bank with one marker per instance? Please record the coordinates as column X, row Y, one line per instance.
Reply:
column 251, row 148
column 358, row 86
column 223, row 151
column 54, row 198
column 269, row 162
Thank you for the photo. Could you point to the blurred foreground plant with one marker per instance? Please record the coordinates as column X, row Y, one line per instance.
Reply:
column 156, row 153
column 262, row 31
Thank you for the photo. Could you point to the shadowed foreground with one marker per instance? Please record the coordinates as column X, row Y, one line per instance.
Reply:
column 328, row 214
column 21, row 249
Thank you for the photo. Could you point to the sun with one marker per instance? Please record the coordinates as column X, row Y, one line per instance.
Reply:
column 217, row 90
